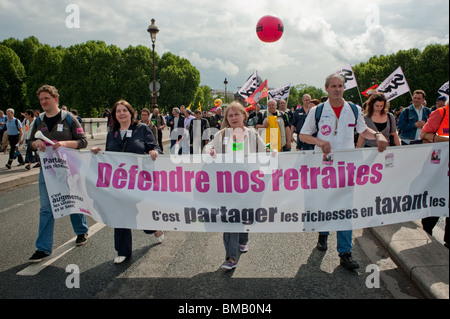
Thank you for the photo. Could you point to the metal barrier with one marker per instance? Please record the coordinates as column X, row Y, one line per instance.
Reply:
column 95, row 128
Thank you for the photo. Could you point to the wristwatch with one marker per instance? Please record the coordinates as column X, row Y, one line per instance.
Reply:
column 376, row 133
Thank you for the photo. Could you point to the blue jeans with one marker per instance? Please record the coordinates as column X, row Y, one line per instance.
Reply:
column 231, row 241
column 44, row 242
column 344, row 241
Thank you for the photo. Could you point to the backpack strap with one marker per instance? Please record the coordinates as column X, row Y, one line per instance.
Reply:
column 319, row 110
column 355, row 111
column 442, row 115
column 41, row 118
column 68, row 117
column 391, row 121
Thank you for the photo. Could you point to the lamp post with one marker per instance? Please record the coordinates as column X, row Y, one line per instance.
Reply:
column 225, row 82
column 153, row 30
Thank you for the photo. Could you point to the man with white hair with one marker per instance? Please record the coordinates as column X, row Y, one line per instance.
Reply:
column 298, row 119
column 281, row 123
column 334, row 131
column 216, row 119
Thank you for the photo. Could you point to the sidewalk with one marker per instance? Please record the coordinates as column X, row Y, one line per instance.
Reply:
column 422, row 257
column 18, row 175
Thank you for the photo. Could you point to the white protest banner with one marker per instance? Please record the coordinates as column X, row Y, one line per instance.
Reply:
column 280, row 93
column 291, row 192
column 394, row 85
column 444, row 89
column 250, row 86
column 350, row 79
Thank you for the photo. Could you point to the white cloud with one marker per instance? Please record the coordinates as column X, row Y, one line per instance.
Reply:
column 219, row 37
column 227, row 67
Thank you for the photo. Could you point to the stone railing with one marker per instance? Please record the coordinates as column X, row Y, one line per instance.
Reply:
column 95, row 128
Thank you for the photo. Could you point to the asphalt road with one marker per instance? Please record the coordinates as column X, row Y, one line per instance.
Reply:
column 185, row 265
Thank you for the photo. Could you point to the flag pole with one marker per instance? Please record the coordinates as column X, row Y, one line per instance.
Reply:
column 409, row 88
column 360, row 97
column 357, row 86
column 289, row 93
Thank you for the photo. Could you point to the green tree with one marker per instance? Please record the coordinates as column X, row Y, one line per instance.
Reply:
column 432, row 71
column 179, row 81
column 208, row 102
column 426, row 70
column 12, row 80
column 315, row 93
column 135, row 75
column 102, row 86
column 75, row 68
column 198, row 98
column 24, row 49
column 87, row 82
column 45, row 68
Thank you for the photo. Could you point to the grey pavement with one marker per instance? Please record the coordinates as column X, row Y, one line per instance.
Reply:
column 422, row 257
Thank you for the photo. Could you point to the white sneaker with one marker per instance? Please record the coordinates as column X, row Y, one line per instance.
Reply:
column 161, row 237
column 119, row 259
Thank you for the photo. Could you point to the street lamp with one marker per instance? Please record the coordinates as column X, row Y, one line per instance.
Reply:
column 225, row 82
column 153, row 30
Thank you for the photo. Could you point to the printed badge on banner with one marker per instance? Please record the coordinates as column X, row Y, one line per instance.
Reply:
column 436, row 157
column 328, row 159
column 389, row 160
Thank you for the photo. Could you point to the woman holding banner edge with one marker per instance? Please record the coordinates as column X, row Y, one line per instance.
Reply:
column 127, row 135
column 379, row 119
column 238, row 138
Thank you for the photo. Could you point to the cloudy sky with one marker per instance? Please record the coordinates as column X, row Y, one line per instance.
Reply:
column 219, row 36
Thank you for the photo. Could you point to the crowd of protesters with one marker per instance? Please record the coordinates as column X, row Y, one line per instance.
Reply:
column 373, row 126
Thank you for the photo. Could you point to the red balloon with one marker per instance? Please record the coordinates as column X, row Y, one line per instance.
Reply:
column 269, row 29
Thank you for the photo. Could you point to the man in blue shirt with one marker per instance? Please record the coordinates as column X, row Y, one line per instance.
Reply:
column 14, row 128
column 413, row 118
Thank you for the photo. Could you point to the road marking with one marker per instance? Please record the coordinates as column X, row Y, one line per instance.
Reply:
column 4, row 210
column 34, row 269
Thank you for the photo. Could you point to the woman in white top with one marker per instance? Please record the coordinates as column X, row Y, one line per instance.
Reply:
column 30, row 155
column 234, row 136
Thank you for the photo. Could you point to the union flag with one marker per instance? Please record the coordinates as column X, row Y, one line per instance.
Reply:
column 260, row 92
column 370, row 91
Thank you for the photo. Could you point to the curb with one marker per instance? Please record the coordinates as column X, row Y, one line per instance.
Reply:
column 422, row 257
column 19, row 179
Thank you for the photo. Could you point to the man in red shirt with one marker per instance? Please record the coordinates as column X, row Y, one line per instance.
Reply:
column 436, row 130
